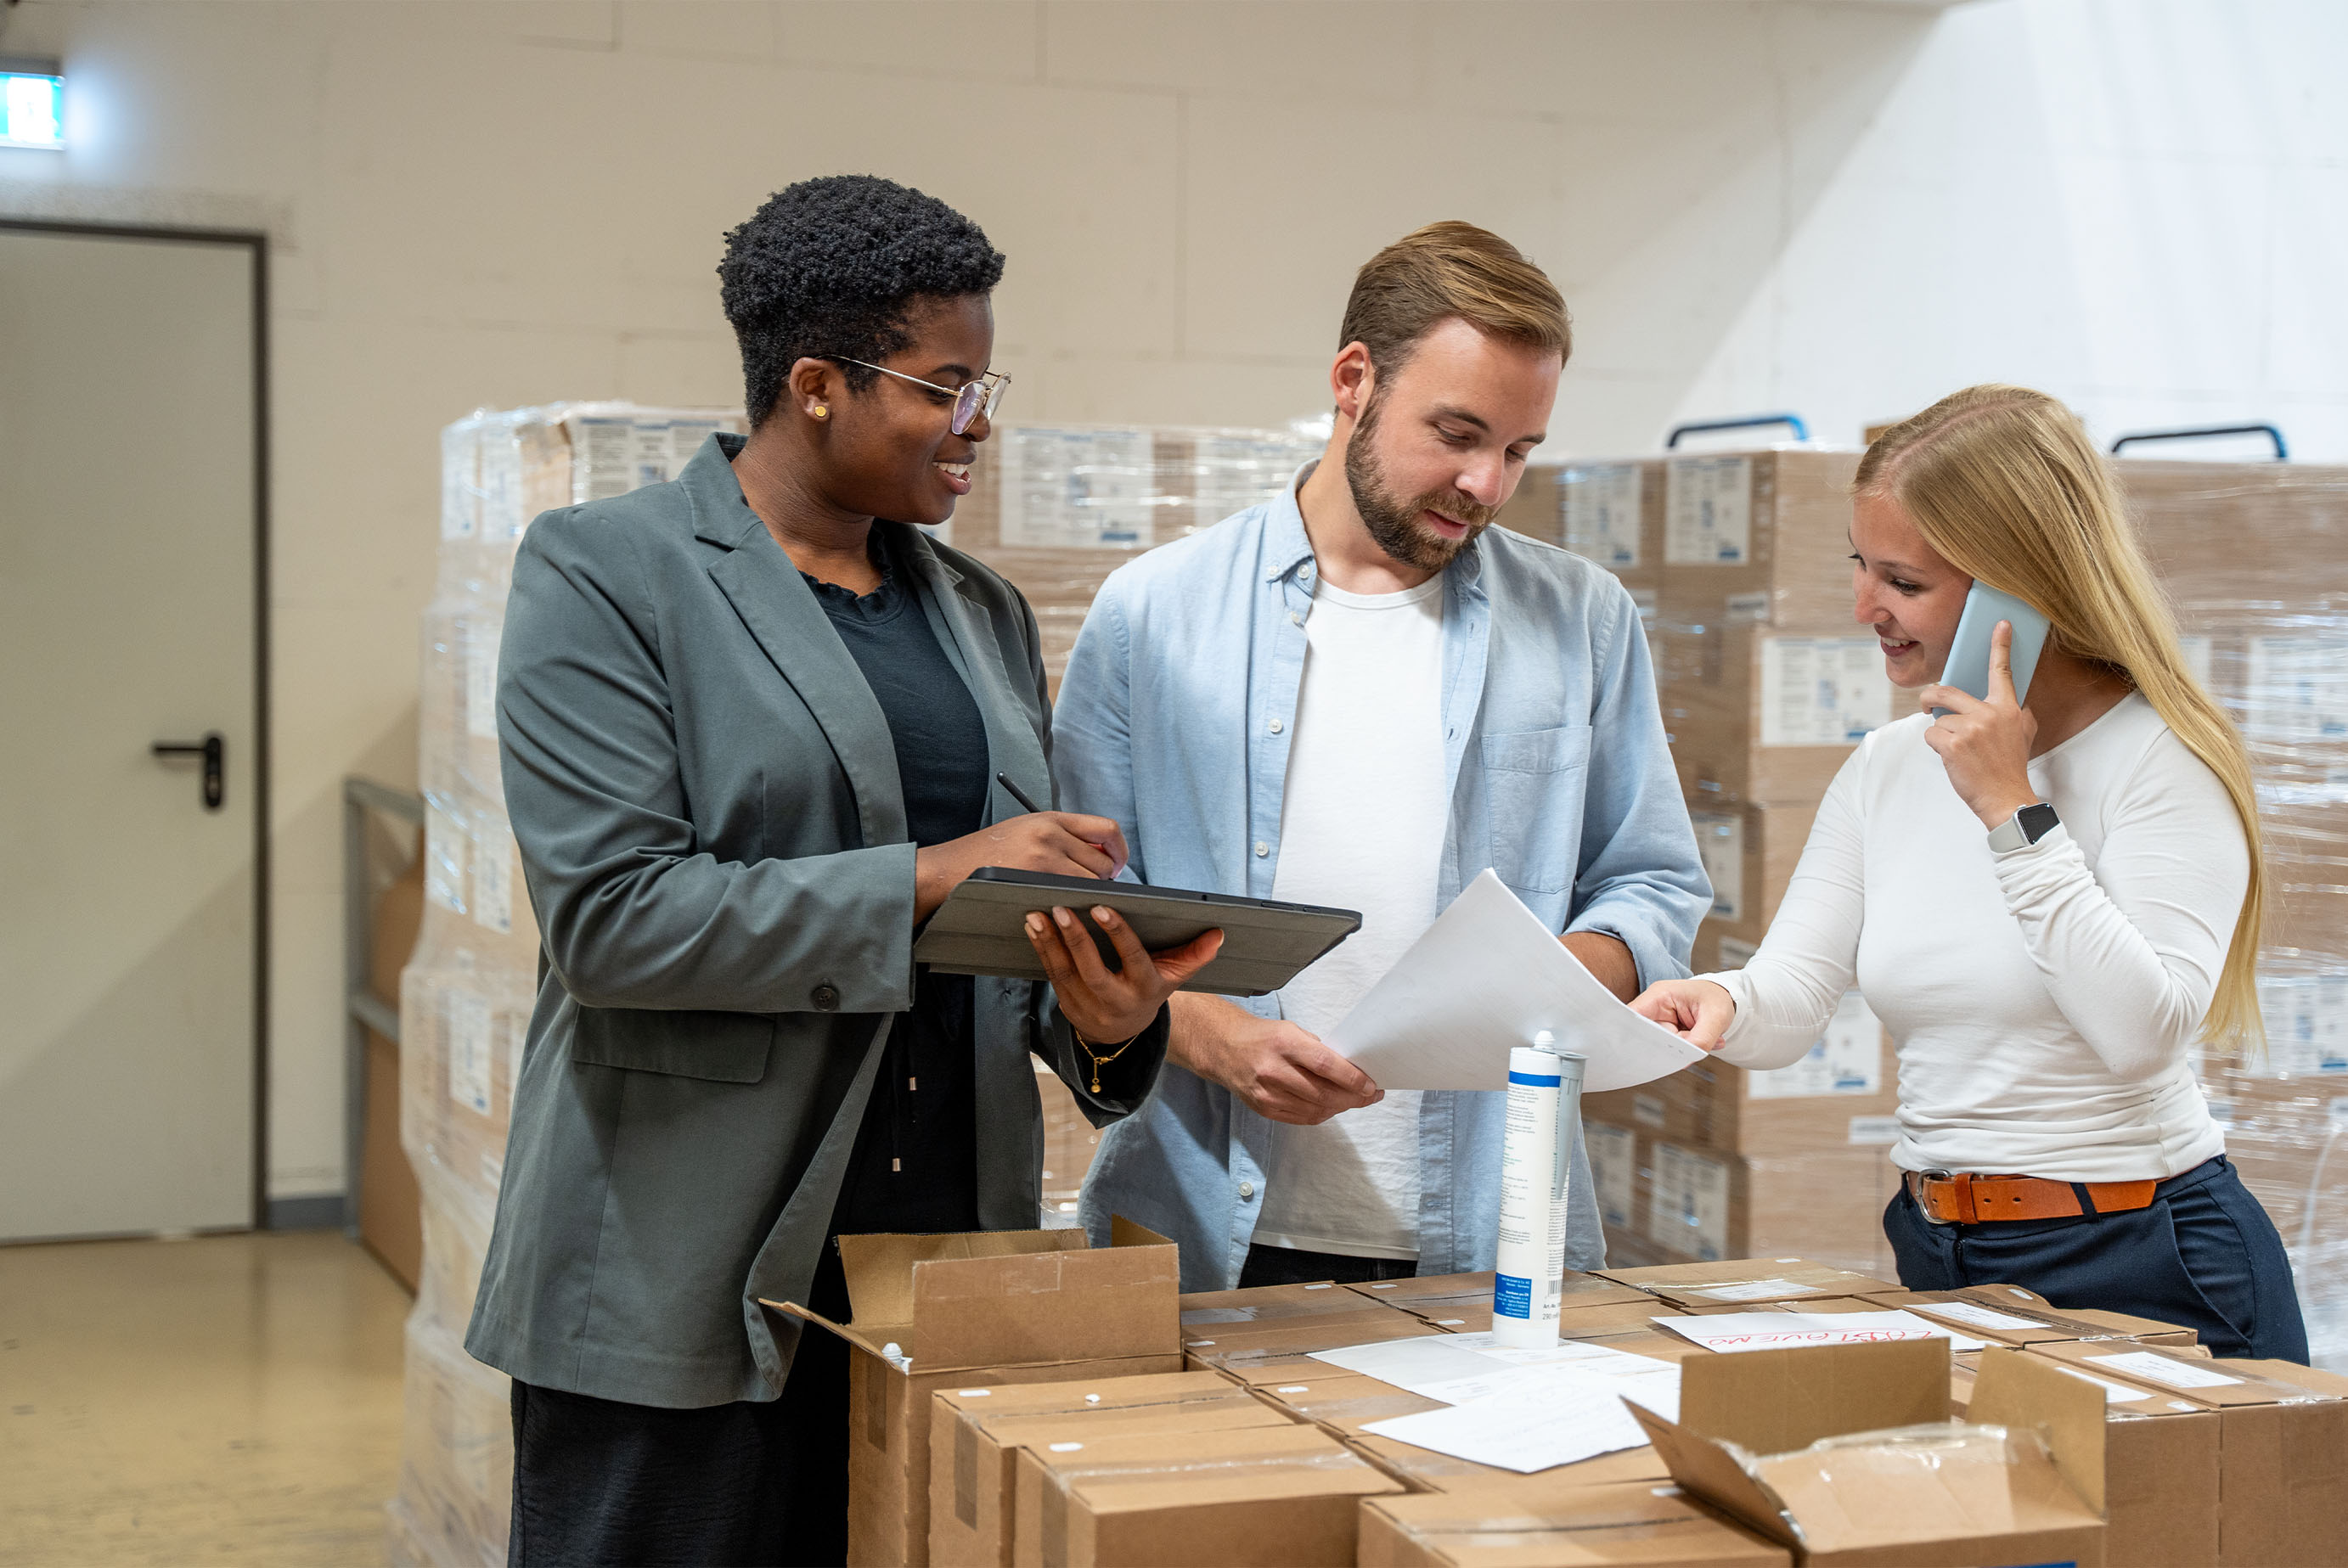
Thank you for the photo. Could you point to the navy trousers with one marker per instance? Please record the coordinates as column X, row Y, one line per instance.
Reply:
column 2203, row 1255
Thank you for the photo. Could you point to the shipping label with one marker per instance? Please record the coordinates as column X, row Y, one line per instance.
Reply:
column 1613, row 1168
column 602, row 457
column 1079, row 489
column 1822, row 690
column 2306, row 1019
column 1708, row 511
column 1598, row 505
column 1720, row 842
column 1687, row 1205
column 1846, row 1059
column 471, row 1043
column 478, row 640
column 1873, row 1132
column 493, row 878
column 447, row 858
column 2159, row 1368
column 2297, row 691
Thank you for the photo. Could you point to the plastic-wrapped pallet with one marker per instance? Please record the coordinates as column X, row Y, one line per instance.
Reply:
column 465, row 995
column 2255, row 556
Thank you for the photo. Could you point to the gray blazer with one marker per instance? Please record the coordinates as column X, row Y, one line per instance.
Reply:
column 713, row 833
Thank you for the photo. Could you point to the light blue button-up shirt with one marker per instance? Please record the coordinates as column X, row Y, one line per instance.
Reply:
column 1560, row 777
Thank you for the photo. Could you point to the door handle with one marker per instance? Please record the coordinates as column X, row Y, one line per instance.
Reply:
column 214, row 751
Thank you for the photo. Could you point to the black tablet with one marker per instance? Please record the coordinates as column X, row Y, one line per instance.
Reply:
column 981, row 928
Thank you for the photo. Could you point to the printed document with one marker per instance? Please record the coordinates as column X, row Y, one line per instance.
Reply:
column 1786, row 1330
column 1487, row 976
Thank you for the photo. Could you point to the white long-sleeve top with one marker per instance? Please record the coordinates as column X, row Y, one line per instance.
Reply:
column 2044, row 1002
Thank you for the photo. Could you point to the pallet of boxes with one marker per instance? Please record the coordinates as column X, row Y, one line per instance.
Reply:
column 1022, row 1399
column 1737, row 562
column 465, row 997
column 1056, row 509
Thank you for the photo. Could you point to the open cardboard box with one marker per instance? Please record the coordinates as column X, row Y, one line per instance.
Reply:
column 1634, row 1521
column 1283, row 1497
column 979, row 1308
column 1893, row 1480
column 975, row 1436
column 2282, row 1443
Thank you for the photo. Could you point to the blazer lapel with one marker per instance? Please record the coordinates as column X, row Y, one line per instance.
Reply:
column 782, row 612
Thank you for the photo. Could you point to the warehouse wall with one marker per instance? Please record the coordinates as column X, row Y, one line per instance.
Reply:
column 1840, row 207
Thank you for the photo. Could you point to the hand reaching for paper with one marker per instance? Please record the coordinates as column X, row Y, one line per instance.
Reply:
column 1281, row 1072
column 1698, row 1011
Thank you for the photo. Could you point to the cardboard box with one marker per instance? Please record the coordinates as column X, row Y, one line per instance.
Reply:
column 1436, row 1298
column 1273, row 1496
column 2282, row 1443
column 1423, row 1469
column 1808, row 1449
column 975, row 1436
column 1273, row 1354
column 1511, row 1527
column 1612, row 514
column 1339, row 1401
column 979, row 1310
column 1262, row 1303
column 2009, row 1314
column 1750, row 1281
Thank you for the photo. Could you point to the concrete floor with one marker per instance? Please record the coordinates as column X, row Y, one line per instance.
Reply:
column 223, row 1398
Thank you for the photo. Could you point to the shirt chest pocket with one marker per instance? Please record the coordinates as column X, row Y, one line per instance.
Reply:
column 1534, row 781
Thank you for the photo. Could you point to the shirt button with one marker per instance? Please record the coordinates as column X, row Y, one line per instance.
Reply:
column 1247, row 1189
column 1277, row 726
column 1262, row 849
column 826, row 998
column 1295, row 619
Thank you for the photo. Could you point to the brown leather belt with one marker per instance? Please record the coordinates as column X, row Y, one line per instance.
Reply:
column 1964, row 1198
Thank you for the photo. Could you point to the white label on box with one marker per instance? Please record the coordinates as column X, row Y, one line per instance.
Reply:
column 1872, row 1132
column 1708, row 511
column 1720, row 842
column 648, row 452
column 2113, row 1393
column 1613, row 1169
column 2297, row 690
column 1822, row 690
column 1746, row 608
column 2306, row 1019
column 1599, row 506
column 2199, row 653
column 686, row 437
column 1687, row 1207
column 1735, row 953
column 469, row 1045
column 479, row 646
column 1756, row 1290
column 493, row 878
column 447, row 858
column 2161, row 1369
column 1979, row 1317
column 1649, row 1111
column 1079, row 489
column 602, row 458
column 1846, row 1059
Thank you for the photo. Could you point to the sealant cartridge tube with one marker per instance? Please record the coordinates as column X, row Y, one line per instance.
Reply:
column 1536, row 1163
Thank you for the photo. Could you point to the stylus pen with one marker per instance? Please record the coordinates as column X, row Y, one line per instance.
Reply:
column 1016, row 792
column 1021, row 796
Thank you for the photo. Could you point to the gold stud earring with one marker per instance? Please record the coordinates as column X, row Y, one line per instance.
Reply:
column 821, row 411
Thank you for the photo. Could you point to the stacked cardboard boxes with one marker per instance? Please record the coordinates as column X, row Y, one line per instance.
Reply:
column 2255, row 558
column 466, row 991
column 1767, row 685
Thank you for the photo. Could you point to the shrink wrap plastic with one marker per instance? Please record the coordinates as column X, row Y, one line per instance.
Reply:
column 1768, row 683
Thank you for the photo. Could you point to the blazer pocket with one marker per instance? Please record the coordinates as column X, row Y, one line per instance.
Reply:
column 719, row 1047
column 1535, row 780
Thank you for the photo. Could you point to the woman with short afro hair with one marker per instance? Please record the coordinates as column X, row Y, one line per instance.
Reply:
column 751, row 721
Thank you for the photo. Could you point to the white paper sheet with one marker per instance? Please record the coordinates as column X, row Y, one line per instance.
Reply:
column 1487, row 976
column 1459, row 1368
column 1552, row 1415
column 1785, row 1330
column 2161, row 1369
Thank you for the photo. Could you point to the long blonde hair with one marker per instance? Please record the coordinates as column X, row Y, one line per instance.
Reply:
column 2004, row 483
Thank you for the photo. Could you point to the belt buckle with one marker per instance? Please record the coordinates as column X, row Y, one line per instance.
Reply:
column 1923, row 1207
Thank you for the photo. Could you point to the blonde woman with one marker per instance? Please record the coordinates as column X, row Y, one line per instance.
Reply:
column 2048, row 906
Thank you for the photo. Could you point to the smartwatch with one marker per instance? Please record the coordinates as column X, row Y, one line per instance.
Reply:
column 2023, row 829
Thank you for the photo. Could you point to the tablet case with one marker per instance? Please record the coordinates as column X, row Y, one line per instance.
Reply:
column 980, row 929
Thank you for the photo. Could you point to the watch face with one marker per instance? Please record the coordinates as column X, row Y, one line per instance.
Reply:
column 2037, row 820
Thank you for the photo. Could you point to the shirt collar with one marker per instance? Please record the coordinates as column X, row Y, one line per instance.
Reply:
column 1288, row 547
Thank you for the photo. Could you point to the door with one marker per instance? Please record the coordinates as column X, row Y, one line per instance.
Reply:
column 129, row 525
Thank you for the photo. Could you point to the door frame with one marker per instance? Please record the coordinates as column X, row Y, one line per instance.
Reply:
column 257, row 242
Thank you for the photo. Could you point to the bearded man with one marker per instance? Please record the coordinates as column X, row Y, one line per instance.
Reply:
column 1355, row 695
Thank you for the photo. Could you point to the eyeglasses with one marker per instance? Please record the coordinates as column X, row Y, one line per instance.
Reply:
column 971, row 397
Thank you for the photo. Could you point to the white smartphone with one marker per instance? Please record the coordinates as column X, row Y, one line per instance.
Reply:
column 1968, row 666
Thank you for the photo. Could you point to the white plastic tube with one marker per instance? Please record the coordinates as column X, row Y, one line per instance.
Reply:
column 1536, row 1158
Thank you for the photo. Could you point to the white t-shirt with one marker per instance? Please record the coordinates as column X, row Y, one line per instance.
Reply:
column 1361, row 827
column 2046, row 1001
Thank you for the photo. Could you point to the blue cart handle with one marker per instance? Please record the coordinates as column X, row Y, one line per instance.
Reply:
column 1801, row 431
column 2282, row 453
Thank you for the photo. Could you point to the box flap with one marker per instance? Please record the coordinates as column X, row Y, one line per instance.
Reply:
column 1042, row 1306
column 1707, row 1469
column 793, row 1310
column 1773, row 1401
column 880, row 1269
column 1123, row 1232
column 2210, row 1384
column 2012, row 1389
column 1085, row 1394
column 1751, row 1280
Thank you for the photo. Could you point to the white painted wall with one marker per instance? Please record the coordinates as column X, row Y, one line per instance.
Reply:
column 1843, row 209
